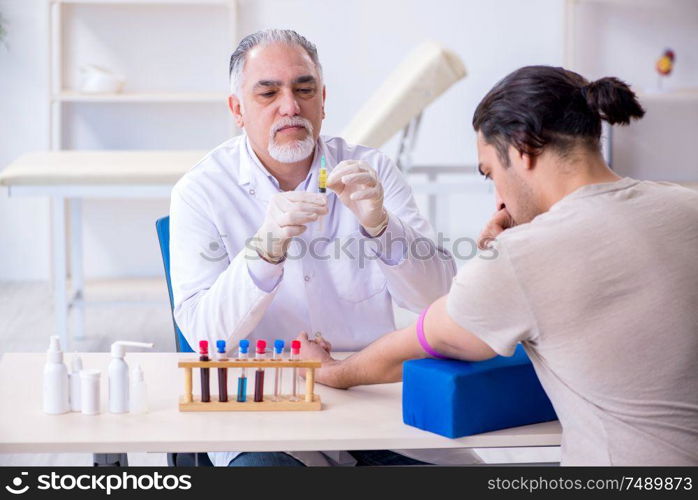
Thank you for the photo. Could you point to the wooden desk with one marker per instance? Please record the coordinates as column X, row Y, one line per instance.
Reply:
column 367, row 417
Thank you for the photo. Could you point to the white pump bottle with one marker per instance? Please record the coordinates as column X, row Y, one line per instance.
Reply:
column 118, row 375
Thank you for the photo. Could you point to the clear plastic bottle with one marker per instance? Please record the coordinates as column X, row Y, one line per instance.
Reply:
column 138, row 395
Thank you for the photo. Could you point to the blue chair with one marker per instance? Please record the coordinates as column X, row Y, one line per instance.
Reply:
column 162, row 226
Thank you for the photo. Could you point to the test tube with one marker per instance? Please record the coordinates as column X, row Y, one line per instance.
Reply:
column 205, row 375
column 244, row 345
column 222, row 373
column 295, row 356
column 278, row 355
column 322, row 186
column 259, row 373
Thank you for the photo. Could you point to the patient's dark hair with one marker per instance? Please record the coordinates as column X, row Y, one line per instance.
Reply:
column 542, row 106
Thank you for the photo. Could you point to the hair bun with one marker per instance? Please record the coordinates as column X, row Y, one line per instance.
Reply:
column 613, row 100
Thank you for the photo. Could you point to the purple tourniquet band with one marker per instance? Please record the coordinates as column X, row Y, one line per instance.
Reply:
column 423, row 340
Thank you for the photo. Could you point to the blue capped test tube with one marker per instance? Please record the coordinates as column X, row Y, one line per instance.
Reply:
column 222, row 372
column 244, row 347
column 277, row 355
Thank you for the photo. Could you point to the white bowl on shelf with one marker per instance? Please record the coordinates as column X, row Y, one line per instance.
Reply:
column 96, row 80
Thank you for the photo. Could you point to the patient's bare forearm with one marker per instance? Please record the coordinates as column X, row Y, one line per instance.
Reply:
column 380, row 362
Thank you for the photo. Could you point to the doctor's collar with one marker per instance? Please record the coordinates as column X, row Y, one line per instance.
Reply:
column 251, row 161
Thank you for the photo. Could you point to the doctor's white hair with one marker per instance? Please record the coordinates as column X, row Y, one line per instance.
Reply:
column 267, row 37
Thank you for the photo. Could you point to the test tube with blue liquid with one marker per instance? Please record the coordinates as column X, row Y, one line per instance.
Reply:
column 277, row 355
column 244, row 347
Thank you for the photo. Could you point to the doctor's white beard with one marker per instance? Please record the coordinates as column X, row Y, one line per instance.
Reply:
column 295, row 150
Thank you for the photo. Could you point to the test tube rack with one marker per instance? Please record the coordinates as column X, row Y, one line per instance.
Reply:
column 308, row 402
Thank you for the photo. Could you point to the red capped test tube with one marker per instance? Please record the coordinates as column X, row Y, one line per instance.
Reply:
column 205, row 372
column 295, row 356
column 260, row 353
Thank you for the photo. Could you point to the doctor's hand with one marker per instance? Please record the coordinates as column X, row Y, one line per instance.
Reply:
column 287, row 216
column 358, row 188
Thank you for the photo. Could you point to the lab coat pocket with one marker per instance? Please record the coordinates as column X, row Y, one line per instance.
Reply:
column 354, row 272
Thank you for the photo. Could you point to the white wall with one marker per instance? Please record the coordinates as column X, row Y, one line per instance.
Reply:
column 359, row 42
column 23, row 223
column 625, row 39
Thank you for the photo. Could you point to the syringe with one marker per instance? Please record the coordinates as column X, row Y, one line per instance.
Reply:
column 278, row 355
column 295, row 356
column 242, row 379
column 322, row 176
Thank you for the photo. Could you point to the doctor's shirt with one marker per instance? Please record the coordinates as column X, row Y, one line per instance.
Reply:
column 335, row 280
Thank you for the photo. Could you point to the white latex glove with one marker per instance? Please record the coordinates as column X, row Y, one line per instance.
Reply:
column 287, row 216
column 357, row 186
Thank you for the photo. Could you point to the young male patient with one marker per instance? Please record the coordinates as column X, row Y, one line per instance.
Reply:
column 596, row 275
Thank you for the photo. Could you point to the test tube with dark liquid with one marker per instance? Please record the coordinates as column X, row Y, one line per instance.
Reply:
column 205, row 372
column 222, row 372
column 259, row 372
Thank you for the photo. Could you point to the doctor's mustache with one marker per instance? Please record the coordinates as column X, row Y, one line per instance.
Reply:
column 291, row 121
column 358, row 248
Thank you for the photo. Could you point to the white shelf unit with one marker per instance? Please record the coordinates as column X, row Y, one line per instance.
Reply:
column 663, row 99
column 58, row 95
column 64, row 99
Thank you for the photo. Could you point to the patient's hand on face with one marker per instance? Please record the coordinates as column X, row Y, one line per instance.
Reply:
column 500, row 221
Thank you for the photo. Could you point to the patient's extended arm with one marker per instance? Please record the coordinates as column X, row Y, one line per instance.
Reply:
column 381, row 361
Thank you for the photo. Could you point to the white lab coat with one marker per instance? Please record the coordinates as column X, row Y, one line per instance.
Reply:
column 220, row 293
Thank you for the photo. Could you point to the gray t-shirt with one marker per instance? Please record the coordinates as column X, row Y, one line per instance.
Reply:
column 602, row 290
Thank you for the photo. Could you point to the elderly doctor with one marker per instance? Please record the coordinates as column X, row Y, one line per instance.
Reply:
column 257, row 252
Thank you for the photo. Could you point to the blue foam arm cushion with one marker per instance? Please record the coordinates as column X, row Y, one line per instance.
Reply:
column 460, row 398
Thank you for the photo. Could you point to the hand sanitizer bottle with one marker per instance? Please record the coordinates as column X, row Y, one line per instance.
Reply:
column 118, row 375
column 56, row 385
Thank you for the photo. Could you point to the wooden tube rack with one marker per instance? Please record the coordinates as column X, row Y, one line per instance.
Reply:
column 308, row 402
